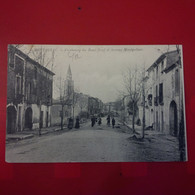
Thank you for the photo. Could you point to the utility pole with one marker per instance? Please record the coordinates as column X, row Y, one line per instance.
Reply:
column 40, row 117
column 73, row 104
column 143, row 99
column 133, row 119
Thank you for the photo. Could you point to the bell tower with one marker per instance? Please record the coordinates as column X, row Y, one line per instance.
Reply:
column 69, row 84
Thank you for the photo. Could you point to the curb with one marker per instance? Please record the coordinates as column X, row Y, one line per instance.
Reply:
column 19, row 137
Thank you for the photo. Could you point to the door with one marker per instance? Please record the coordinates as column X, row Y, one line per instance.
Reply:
column 47, row 119
column 173, row 127
column 28, row 118
column 11, row 119
column 41, row 120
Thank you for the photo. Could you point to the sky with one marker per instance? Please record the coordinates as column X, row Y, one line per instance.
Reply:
column 98, row 70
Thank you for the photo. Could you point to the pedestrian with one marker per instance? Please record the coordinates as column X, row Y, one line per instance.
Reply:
column 70, row 123
column 92, row 121
column 113, row 122
column 99, row 121
column 77, row 125
column 108, row 120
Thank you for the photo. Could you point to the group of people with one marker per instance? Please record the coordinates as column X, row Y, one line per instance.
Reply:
column 93, row 121
column 108, row 121
column 96, row 120
column 70, row 123
column 99, row 121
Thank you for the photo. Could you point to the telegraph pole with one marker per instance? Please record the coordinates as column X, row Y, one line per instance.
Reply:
column 143, row 99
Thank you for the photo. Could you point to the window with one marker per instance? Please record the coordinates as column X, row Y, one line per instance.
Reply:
column 150, row 99
column 156, row 71
column 18, row 64
column 18, row 85
column 177, row 84
column 162, row 121
column 35, row 72
column 162, row 67
column 29, row 90
column 161, row 93
column 156, row 98
column 156, row 90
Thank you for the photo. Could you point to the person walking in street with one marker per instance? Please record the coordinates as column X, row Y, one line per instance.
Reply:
column 113, row 122
column 108, row 120
column 77, row 125
column 92, row 121
column 70, row 123
column 99, row 121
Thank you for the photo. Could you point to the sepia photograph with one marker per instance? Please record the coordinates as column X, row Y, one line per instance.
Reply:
column 95, row 103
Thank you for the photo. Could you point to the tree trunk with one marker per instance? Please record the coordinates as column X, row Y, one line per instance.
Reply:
column 73, row 115
column 40, row 118
column 62, row 117
column 143, row 119
column 133, row 120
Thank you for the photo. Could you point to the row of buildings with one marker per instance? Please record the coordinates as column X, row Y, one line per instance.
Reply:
column 79, row 105
column 30, row 103
column 29, row 92
column 164, row 97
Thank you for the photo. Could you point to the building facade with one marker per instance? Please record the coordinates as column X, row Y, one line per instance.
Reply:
column 29, row 92
column 164, row 94
column 95, row 106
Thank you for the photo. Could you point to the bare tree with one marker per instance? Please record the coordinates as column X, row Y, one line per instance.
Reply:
column 65, row 99
column 75, row 98
column 143, row 101
column 132, row 83
column 42, row 55
column 82, row 103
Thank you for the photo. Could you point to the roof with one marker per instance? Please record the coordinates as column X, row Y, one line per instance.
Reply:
column 26, row 57
column 172, row 59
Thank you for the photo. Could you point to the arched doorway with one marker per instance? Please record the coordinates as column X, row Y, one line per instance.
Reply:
column 28, row 118
column 11, row 119
column 173, row 119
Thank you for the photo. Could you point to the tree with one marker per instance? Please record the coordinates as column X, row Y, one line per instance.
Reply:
column 143, row 101
column 65, row 98
column 82, row 102
column 41, row 54
column 132, row 84
column 74, row 102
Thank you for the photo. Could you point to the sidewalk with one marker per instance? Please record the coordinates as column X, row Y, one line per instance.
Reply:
column 26, row 134
column 156, row 145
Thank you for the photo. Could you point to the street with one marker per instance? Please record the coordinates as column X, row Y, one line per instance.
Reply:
column 93, row 144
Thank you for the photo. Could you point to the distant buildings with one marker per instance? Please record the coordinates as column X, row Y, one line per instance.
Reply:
column 29, row 92
column 72, row 104
column 95, row 106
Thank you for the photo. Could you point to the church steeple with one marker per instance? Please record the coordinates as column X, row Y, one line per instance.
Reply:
column 69, row 83
column 69, row 74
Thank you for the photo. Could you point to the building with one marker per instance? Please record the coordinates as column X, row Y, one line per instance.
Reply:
column 95, row 106
column 164, row 93
column 29, row 92
column 69, row 94
column 81, row 105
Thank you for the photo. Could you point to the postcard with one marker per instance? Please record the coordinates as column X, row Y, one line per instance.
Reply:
column 95, row 103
